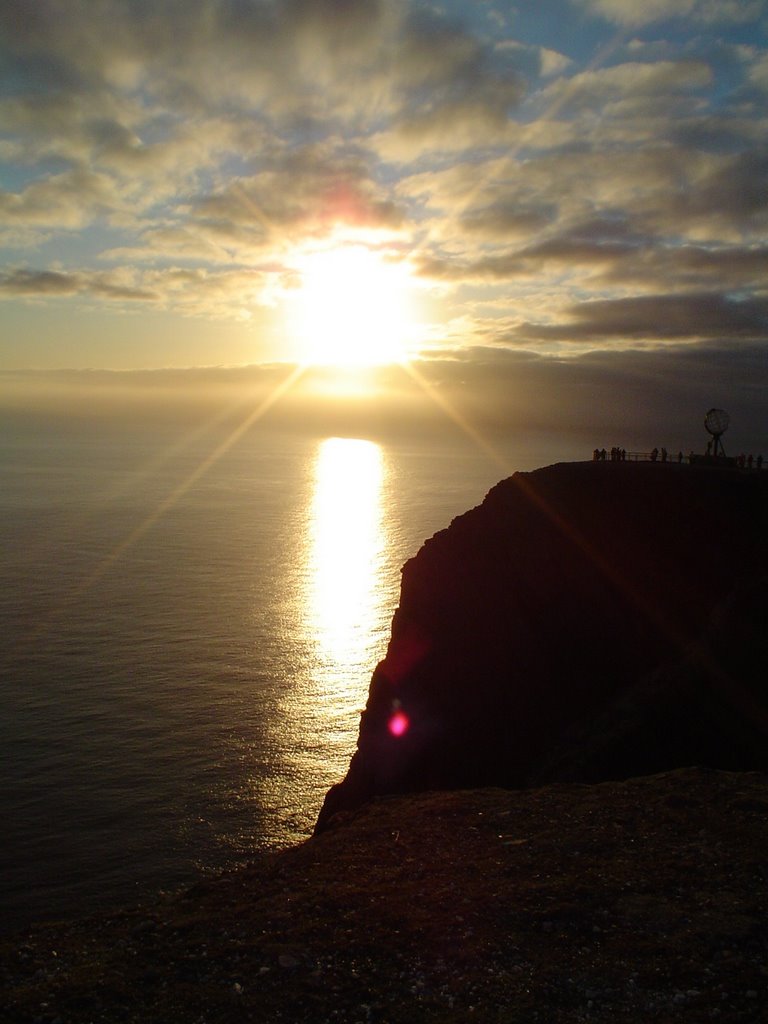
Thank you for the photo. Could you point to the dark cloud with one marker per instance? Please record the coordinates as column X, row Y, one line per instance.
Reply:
column 48, row 282
column 634, row 397
column 39, row 282
column 191, row 291
column 658, row 317
column 690, row 267
column 446, row 76
column 736, row 190
column 506, row 219
column 637, row 398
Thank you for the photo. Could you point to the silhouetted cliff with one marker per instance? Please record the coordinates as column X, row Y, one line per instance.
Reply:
column 587, row 622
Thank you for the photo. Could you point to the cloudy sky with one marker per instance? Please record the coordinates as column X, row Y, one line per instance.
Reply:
column 574, row 186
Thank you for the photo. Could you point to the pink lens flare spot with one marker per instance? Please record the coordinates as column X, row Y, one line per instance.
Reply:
column 398, row 723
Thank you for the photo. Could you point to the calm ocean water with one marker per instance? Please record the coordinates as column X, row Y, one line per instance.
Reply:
column 187, row 633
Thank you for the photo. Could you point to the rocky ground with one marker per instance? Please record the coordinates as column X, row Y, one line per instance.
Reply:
column 636, row 901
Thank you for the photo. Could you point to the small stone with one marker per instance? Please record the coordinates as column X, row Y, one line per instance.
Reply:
column 287, row 961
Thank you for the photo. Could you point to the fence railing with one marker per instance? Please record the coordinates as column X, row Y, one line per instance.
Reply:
column 678, row 458
column 622, row 455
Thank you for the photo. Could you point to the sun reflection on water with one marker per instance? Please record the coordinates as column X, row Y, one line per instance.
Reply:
column 343, row 595
column 346, row 547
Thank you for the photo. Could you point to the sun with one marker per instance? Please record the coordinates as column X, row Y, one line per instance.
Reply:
column 354, row 308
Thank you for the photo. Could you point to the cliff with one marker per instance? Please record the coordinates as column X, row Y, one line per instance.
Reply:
column 587, row 622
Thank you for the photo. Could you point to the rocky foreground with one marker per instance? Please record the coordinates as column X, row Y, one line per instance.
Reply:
column 637, row 901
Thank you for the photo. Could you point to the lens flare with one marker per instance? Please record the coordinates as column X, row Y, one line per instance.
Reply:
column 398, row 723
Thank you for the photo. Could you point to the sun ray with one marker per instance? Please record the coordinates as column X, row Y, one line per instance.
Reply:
column 461, row 421
column 164, row 506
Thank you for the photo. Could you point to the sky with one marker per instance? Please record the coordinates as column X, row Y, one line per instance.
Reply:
column 558, row 206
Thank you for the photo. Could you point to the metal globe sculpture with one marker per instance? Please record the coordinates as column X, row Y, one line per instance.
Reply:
column 716, row 422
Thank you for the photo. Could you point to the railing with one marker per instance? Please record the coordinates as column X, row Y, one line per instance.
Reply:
column 678, row 458
column 621, row 455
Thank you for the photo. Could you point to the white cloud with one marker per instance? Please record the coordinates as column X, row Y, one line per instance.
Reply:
column 641, row 84
column 758, row 72
column 69, row 200
column 707, row 12
column 630, row 12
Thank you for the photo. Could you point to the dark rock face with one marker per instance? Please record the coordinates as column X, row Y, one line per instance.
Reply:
column 587, row 622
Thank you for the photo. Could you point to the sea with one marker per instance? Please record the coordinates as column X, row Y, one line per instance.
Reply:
column 189, row 619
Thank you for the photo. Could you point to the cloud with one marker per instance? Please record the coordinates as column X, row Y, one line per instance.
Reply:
column 225, row 294
column 637, row 397
column 39, row 283
column 658, row 318
column 665, row 193
column 69, row 200
column 758, row 73
column 632, row 87
column 189, row 149
column 627, row 12
column 152, row 105
column 308, row 190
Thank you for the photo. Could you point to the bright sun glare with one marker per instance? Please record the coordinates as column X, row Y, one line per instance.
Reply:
column 354, row 308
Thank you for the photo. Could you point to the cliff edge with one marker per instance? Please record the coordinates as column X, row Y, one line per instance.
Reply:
column 587, row 622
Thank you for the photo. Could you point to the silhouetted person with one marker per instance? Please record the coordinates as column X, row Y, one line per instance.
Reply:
column 749, row 461
column 654, row 454
column 663, row 454
column 759, row 461
column 679, row 456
